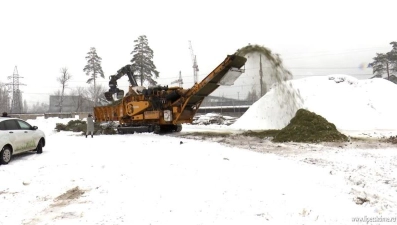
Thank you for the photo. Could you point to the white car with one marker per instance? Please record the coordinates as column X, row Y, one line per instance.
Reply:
column 17, row 136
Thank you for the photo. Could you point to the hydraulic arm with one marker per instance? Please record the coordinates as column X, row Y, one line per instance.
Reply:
column 126, row 70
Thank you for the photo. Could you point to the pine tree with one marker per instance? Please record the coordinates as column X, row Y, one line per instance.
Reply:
column 93, row 68
column 385, row 63
column 380, row 65
column 142, row 61
column 393, row 57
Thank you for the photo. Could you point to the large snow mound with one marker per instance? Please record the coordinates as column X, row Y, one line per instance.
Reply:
column 349, row 103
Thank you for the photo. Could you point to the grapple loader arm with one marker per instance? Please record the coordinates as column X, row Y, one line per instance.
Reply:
column 126, row 70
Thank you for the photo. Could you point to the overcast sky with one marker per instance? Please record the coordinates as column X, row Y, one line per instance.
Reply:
column 312, row 37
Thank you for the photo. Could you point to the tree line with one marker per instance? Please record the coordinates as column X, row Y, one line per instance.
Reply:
column 83, row 99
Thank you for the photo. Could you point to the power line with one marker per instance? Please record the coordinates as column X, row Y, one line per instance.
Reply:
column 367, row 74
column 325, row 54
column 353, row 50
column 299, row 75
column 309, row 68
column 240, row 78
column 187, row 76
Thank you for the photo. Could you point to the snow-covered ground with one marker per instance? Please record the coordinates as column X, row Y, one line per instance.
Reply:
column 167, row 179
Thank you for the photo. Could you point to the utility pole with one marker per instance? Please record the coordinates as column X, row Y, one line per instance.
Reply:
column 239, row 104
column 16, row 103
column 222, row 102
column 260, row 75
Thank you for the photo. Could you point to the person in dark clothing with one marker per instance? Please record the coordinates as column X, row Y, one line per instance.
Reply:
column 5, row 114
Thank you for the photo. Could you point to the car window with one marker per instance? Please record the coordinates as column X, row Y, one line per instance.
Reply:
column 11, row 125
column 24, row 125
column 2, row 126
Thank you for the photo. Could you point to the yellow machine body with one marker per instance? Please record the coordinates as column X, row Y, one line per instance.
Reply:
column 163, row 108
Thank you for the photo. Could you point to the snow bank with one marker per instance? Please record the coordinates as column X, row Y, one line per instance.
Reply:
column 349, row 103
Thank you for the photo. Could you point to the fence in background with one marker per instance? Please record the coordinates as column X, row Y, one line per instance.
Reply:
column 29, row 116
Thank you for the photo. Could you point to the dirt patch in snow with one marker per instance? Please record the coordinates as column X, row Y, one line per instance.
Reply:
column 5, row 192
column 69, row 195
column 58, row 210
column 262, row 141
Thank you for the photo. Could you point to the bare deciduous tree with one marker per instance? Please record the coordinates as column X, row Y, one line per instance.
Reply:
column 4, row 98
column 39, row 108
column 96, row 93
column 63, row 80
column 79, row 92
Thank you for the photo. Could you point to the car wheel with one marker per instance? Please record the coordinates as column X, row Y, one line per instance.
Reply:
column 39, row 148
column 5, row 155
